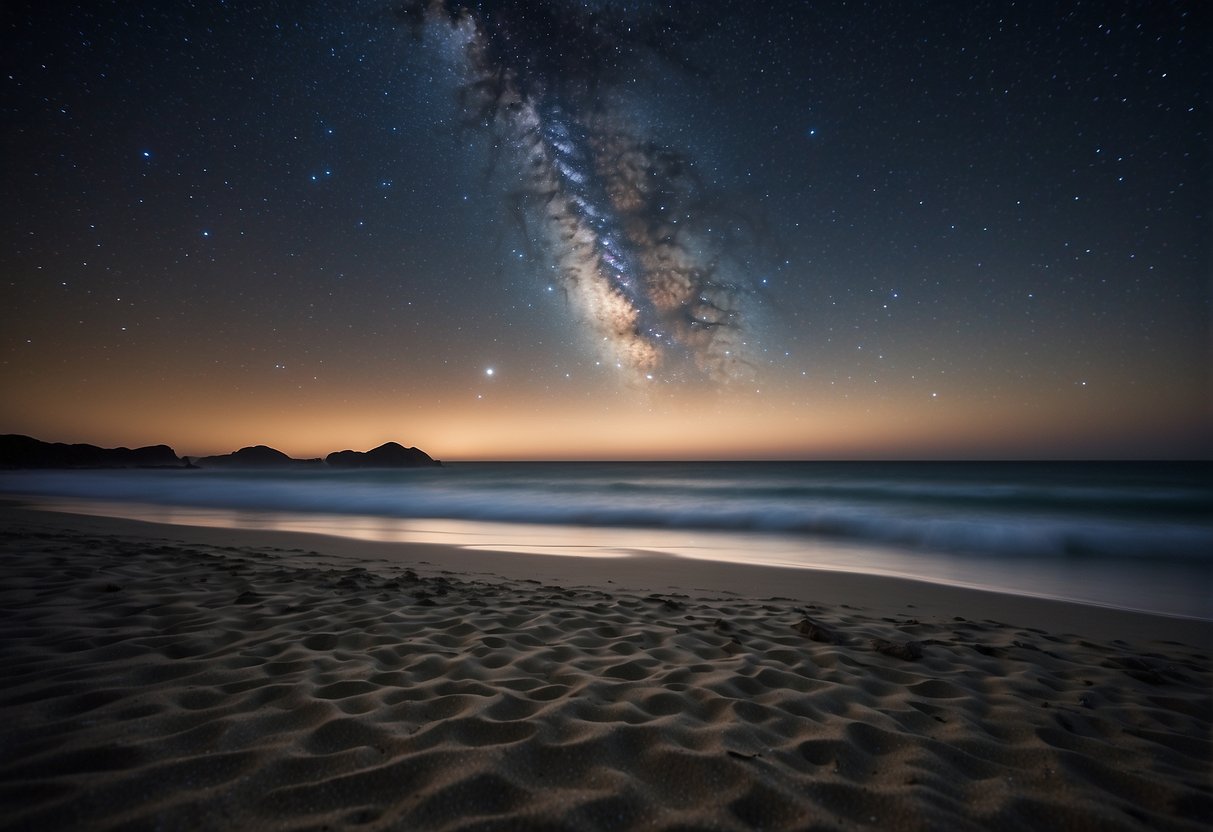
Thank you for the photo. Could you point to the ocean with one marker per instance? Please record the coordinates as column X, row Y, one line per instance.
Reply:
column 1135, row 535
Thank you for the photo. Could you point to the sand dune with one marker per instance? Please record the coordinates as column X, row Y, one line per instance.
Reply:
column 172, row 685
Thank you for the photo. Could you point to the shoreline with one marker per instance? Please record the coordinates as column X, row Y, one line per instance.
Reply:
column 1121, row 538
column 184, row 677
column 642, row 571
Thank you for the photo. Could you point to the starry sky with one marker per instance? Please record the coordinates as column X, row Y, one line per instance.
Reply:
column 593, row 229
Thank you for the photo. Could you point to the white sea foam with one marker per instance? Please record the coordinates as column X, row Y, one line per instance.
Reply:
column 1005, row 519
column 1130, row 536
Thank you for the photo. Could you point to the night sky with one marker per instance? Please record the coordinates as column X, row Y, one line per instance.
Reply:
column 589, row 229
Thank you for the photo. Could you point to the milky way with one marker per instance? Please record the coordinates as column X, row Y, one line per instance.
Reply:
column 625, row 223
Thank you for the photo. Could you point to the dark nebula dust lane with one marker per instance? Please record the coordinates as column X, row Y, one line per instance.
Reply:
column 623, row 221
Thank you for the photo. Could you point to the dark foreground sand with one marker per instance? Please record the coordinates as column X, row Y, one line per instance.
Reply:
column 171, row 678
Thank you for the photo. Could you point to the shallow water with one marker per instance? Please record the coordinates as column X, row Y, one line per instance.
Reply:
column 1132, row 535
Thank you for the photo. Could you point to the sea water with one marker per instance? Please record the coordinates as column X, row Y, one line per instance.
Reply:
column 1137, row 535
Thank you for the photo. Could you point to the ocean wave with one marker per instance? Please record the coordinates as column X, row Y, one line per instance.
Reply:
column 1005, row 528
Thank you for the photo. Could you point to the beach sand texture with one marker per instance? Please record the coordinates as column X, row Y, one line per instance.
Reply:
column 173, row 685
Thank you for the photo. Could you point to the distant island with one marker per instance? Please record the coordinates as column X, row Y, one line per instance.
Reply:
column 388, row 455
column 256, row 456
column 18, row 451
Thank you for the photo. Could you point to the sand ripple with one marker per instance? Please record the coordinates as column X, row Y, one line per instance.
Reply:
column 175, row 686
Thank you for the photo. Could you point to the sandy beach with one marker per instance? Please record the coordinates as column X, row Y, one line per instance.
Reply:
column 186, row 678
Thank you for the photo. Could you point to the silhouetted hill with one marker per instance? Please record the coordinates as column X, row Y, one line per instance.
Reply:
column 255, row 456
column 17, row 451
column 389, row 455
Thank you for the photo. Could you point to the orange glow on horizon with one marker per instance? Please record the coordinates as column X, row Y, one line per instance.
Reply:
column 700, row 425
